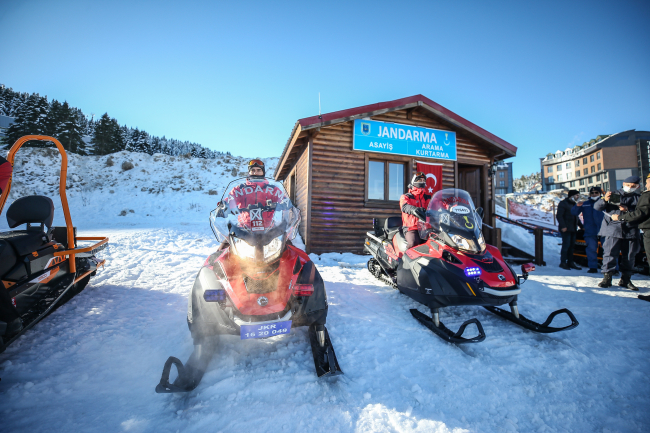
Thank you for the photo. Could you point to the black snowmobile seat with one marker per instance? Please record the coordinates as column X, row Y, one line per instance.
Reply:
column 7, row 258
column 28, row 210
column 392, row 226
column 401, row 240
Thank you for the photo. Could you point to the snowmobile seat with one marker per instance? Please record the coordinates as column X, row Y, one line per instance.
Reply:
column 28, row 210
column 401, row 240
column 392, row 226
column 7, row 257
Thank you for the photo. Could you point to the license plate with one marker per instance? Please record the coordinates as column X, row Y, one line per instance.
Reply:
column 265, row 330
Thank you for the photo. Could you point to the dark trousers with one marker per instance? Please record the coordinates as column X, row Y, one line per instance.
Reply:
column 568, row 243
column 592, row 251
column 628, row 249
column 412, row 238
column 646, row 243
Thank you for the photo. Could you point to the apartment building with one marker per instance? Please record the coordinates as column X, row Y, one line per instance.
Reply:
column 503, row 178
column 604, row 161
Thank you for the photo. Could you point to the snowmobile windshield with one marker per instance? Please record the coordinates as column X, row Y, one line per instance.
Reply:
column 256, row 216
column 452, row 217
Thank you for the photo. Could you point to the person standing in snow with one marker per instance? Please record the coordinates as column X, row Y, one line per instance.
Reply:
column 640, row 216
column 592, row 221
column 620, row 236
column 413, row 205
column 568, row 225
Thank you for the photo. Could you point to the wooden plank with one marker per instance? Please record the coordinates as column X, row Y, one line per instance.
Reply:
column 310, row 150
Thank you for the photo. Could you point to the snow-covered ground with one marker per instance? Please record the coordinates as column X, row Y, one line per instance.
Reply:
column 93, row 364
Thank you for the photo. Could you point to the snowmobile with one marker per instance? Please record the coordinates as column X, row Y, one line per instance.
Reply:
column 453, row 267
column 256, row 285
column 42, row 266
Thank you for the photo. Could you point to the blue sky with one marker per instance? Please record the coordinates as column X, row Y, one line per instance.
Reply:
column 237, row 75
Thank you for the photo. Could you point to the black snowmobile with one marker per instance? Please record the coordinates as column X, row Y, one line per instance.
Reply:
column 41, row 267
column 453, row 267
column 256, row 285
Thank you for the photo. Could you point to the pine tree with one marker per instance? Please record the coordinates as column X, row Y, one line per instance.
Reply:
column 70, row 131
column 103, row 136
column 53, row 119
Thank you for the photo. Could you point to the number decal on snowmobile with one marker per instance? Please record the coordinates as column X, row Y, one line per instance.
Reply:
column 265, row 330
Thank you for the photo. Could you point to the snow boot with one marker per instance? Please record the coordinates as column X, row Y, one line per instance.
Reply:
column 607, row 280
column 574, row 266
column 14, row 327
column 627, row 282
column 565, row 266
column 592, row 271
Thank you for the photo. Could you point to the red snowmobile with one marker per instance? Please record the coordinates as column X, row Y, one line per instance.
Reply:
column 453, row 267
column 256, row 285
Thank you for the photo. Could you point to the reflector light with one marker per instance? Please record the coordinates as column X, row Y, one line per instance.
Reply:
column 303, row 290
column 214, row 295
column 472, row 272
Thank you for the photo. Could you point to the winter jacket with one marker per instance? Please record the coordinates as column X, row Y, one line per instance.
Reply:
column 618, row 229
column 641, row 215
column 408, row 203
column 592, row 218
column 5, row 173
column 565, row 219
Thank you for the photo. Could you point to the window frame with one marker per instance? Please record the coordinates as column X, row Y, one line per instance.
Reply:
column 408, row 169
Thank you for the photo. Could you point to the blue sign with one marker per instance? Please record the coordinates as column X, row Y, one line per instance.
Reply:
column 398, row 139
column 265, row 330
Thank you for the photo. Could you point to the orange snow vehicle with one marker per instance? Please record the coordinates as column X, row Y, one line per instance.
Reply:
column 41, row 266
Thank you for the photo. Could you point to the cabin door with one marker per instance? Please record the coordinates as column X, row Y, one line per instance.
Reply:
column 469, row 179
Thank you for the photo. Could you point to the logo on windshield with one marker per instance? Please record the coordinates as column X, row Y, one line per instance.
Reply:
column 460, row 209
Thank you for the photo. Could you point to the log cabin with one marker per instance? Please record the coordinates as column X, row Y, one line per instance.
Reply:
column 343, row 169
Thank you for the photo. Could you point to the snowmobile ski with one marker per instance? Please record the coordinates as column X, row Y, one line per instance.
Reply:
column 324, row 357
column 534, row 326
column 644, row 297
column 445, row 333
column 190, row 374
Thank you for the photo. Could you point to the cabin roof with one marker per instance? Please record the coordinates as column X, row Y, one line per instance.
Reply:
column 438, row 110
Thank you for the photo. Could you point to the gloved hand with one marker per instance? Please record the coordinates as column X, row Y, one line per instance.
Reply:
column 421, row 213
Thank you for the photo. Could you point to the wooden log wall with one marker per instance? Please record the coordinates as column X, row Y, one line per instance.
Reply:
column 301, row 172
column 340, row 216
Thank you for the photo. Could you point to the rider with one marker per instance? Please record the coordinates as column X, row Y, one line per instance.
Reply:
column 254, row 191
column 414, row 206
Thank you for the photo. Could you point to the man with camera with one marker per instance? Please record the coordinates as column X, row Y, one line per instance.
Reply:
column 640, row 216
column 620, row 236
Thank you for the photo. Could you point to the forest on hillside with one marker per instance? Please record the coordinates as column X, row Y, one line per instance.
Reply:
column 78, row 133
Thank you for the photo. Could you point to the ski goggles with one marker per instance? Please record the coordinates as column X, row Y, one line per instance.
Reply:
column 255, row 163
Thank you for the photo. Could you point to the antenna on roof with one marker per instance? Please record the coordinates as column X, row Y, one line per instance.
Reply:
column 319, row 116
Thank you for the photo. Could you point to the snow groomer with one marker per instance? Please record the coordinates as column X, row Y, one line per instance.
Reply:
column 620, row 236
column 413, row 205
column 593, row 219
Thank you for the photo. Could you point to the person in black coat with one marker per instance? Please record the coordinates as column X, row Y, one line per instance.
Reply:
column 640, row 216
column 620, row 236
column 568, row 225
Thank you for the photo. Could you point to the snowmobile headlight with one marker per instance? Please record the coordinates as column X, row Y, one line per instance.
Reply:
column 273, row 248
column 243, row 249
column 464, row 244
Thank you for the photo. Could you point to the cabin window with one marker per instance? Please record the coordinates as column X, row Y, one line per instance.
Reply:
column 385, row 180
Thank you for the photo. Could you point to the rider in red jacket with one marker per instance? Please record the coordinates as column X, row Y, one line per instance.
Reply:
column 5, row 173
column 414, row 206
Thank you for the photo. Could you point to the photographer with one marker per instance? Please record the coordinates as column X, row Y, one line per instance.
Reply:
column 640, row 216
column 620, row 236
